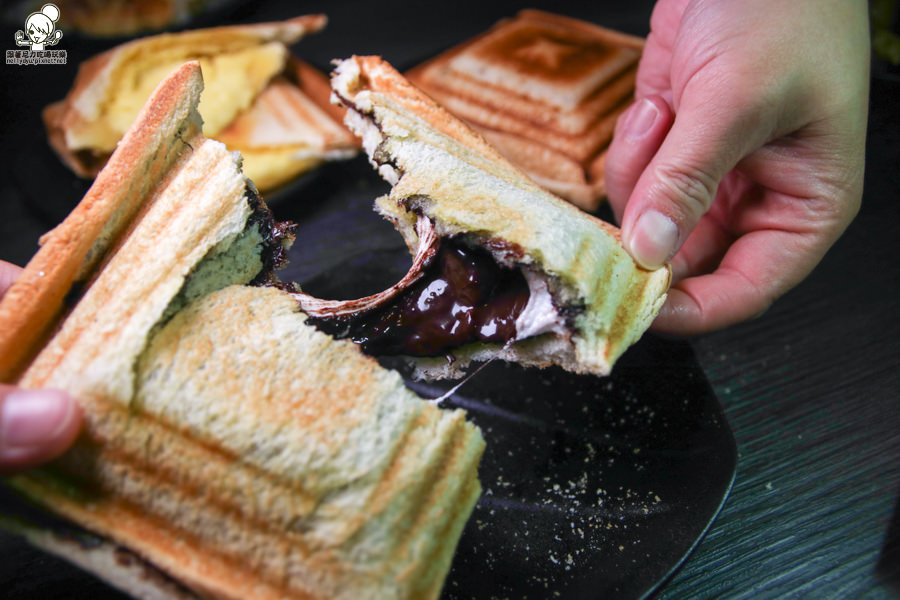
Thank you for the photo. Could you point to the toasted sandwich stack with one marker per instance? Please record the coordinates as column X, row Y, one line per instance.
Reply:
column 227, row 442
column 260, row 100
column 546, row 91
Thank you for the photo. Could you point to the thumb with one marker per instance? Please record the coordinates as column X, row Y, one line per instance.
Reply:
column 707, row 139
column 35, row 426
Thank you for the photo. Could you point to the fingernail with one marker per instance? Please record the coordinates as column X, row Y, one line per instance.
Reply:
column 653, row 239
column 640, row 118
column 31, row 418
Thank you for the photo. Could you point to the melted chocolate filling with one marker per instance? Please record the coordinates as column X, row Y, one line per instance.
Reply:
column 277, row 237
column 463, row 296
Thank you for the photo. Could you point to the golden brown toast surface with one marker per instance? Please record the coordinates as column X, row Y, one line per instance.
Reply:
column 546, row 90
column 70, row 252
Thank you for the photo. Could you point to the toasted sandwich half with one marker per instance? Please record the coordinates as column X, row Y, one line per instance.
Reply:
column 229, row 444
column 502, row 268
column 259, row 100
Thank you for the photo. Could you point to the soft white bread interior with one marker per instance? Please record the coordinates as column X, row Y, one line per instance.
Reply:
column 231, row 445
column 443, row 170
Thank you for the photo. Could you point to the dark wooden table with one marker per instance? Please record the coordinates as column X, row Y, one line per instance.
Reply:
column 811, row 388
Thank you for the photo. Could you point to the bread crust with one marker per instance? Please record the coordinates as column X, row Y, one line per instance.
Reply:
column 35, row 303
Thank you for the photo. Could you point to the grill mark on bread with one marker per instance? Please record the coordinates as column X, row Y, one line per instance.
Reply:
column 495, row 105
column 546, row 90
column 440, row 471
column 582, row 148
column 470, row 489
column 157, row 533
column 190, row 491
column 192, row 487
column 260, row 568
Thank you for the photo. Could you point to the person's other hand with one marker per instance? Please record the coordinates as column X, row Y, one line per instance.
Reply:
column 741, row 160
column 35, row 425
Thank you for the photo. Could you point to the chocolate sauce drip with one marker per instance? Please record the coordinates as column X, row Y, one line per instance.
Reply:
column 463, row 296
column 277, row 236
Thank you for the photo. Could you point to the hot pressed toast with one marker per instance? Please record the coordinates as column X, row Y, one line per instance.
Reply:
column 502, row 267
column 546, row 90
column 270, row 106
column 226, row 442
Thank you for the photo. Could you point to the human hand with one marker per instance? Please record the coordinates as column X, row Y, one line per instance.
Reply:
column 741, row 161
column 35, row 425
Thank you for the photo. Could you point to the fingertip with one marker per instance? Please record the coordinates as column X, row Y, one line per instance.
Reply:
column 680, row 181
column 36, row 426
column 677, row 316
column 8, row 274
column 636, row 122
column 707, row 303
column 652, row 240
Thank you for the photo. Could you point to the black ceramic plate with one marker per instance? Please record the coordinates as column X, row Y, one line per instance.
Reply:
column 593, row 487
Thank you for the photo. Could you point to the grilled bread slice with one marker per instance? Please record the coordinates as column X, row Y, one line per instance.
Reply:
column 582, row 299
column 290, row 128
column 227, row 442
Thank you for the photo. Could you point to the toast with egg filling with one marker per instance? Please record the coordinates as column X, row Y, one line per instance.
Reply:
column 268, row 104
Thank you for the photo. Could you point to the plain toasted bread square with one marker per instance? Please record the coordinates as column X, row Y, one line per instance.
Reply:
column 546, row 90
